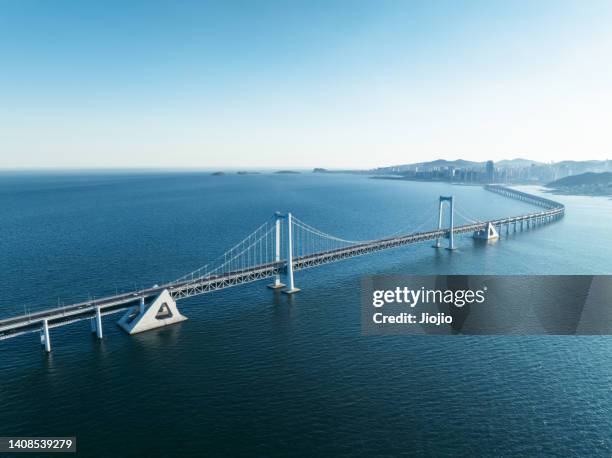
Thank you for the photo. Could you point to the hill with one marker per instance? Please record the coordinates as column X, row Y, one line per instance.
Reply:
column 585, row 184
column 584, row 179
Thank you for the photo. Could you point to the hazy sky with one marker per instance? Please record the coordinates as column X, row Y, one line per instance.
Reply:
column 302, row 84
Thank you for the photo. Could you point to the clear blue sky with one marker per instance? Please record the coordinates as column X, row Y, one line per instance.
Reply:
column 302, row 84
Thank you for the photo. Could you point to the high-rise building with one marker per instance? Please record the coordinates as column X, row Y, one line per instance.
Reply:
column 490, row 171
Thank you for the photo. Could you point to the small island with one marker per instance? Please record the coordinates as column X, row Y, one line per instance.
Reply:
column 584, row 184
column 218, row 174
column 286, row 171
column 246, row 172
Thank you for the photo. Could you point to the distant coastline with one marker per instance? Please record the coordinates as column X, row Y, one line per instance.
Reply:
column 517, row 171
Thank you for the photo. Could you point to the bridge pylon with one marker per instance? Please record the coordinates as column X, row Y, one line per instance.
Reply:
column 45, row 339
column 291, row 289
column 451, row 204
column 277, row 251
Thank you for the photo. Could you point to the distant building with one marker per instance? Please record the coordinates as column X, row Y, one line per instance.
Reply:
column 490, row 171
column 520, row 172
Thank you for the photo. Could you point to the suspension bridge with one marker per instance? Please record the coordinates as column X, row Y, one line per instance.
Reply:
column 275, row 250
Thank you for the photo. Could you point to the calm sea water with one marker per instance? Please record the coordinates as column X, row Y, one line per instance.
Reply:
column 253, row 372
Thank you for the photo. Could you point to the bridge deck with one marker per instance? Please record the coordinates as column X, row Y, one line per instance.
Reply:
column 60, row 316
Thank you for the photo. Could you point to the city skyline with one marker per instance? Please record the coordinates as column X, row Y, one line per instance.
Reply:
column 302, row 85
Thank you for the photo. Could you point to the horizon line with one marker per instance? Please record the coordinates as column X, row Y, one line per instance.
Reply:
column 257, row 168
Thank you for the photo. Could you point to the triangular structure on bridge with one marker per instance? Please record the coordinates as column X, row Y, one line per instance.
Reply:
column 488, row 233
column 161, row 312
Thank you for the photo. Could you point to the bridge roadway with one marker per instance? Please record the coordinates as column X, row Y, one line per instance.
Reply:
column 60, row 316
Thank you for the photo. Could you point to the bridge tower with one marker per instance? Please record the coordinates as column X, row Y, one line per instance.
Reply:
column 291, row 289
column 277, row 250
column 451, row 204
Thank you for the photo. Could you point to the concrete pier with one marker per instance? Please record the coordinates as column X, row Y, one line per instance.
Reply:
column 489, row 233
column 162, row 312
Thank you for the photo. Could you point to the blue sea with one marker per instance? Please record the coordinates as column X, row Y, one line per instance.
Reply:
column 256, row 373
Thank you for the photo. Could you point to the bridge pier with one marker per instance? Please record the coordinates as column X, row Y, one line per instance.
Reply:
column 488, row 233
column 45, row 339
column 162, row 312
column 277, row 247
